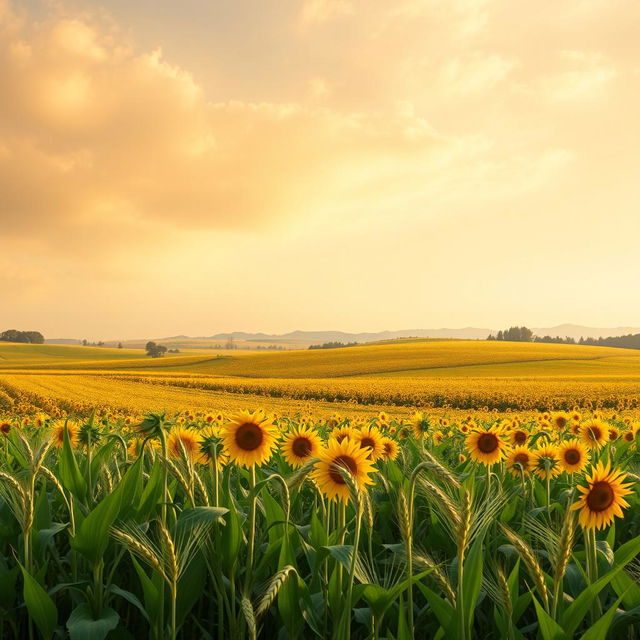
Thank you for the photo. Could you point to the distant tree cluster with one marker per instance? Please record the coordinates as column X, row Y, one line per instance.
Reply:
column 100, row 343
column 522, row 334
column 155, row 350
column 333, row 345
column 26, row 337
column 513, row 334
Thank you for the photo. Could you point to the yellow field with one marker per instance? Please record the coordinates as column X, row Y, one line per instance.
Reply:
column 404, row 374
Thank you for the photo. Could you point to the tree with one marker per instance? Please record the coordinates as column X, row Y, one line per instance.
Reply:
column 25, row 337
column 155, row 350
column 119, row 345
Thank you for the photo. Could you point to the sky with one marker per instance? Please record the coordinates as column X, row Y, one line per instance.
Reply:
column 203, row 166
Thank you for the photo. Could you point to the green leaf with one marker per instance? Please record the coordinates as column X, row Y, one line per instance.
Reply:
column 600, row 629
column 442, row 609
column 83, row 626
column 576, row 611
column 549, row 628
column 92, row 537
column 472, row 582
column 40, row 606
column 68, row 470
column 202, row 515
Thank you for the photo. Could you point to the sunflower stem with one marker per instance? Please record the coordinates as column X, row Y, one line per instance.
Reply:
column 252, row 529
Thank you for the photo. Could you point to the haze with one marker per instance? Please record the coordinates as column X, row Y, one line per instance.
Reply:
column 198, row 166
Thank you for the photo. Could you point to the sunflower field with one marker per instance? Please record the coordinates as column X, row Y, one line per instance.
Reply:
column 254, row 525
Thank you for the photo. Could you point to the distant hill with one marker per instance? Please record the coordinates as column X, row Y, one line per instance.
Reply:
column 578, row 331
column 302, row 339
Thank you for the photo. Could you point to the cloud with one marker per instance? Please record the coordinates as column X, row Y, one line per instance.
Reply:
column 96, row 136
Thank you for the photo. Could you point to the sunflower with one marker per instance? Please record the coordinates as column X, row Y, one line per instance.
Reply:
column 546, row 463
column 574, row 456
column 486, row 446
column 560, row 420
column 5, row 427
column 462, row 458
column 209, row 446
column 438, row 437
column 390, row 449
column 594, row 433
column 300, row 445
column 340, row 433
column 614, row 434
column 347, row 455
column 518, row 437
column 421, row 424
column 183, row 443
column 520, row 460
column 369, row 438
column 602, row 499
column 57, row 434
column 249, row 438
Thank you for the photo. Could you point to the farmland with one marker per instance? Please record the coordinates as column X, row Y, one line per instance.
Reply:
column 396, row 490
column 403, row 375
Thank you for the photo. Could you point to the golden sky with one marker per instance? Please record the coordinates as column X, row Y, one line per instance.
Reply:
column 269, row 165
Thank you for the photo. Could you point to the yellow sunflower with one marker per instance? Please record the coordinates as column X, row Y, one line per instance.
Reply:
column 594, row 433
column 340, row 433
column 390, row 449
column 421, row 424
column 57, row 434
column 560, row 420
column 520, row 460
column 347, row 455
column 5, row 427
column 518, row 437
column 574, row 456
column 614, row 434
column 249, row 438
column 486, row 446
column 300, row 445
column 369, row 438
column 602, row 499
column 183, row 443
column 546, row 463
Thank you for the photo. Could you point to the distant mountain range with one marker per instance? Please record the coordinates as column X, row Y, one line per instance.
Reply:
column 318, row 337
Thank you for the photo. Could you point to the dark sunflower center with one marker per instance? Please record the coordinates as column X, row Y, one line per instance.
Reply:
column 342, row 462
column 521, row 458
column 572, row 456
column 595, row 433
column 520, row 437
column 5, row 428
column 600, row 497
column 367, row 442
column 561, row 421
column 301, row 447
column 487, row 443
column 388, row 449
column 249, row 436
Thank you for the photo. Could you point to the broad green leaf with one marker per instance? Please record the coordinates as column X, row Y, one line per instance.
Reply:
column 82, row 624
column 93, row 534
column 40, row 606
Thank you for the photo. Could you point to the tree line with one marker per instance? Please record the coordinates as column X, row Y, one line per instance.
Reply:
column 333, row 345
column 26, row 337
column 523, row 334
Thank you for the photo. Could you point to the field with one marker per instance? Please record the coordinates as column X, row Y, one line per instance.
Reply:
column 401, row 375
column 440, row 489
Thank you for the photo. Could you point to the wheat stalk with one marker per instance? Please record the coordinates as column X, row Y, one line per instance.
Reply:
column 531, row 562
column 272, row 590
